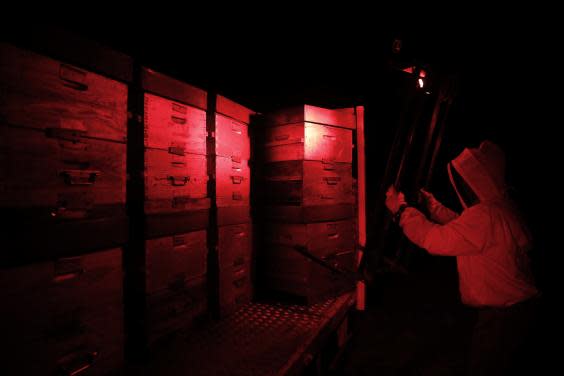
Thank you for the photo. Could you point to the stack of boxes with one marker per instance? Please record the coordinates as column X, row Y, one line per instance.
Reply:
column 62, row 197
column 233, row 189
column 175, row 203
column 66, row 134
column 310, row 200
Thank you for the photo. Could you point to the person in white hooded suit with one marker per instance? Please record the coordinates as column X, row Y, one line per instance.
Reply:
column 491, row 243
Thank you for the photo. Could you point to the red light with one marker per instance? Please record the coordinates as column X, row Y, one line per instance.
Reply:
column 421, row 83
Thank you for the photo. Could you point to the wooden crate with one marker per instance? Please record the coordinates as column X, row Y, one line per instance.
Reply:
column 233, row 184
column 174, row 126
column 173, row 258
column 62, row 316
column 308, row 183
column 321, row 239
column 308, row 141
column 174, row 183
column 235, row 246
column 231, row 138
column 52, row 96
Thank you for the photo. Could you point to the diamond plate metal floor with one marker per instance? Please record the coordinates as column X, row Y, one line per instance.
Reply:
column 259, row 339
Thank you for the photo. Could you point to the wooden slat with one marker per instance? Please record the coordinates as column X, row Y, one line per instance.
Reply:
column 344, row 117
column 234, row 110
column 171, row 88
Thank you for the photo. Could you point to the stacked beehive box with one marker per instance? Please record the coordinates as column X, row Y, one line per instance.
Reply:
column 233, row 188
column 310, row 200
column 62, row 198
column 175, row 203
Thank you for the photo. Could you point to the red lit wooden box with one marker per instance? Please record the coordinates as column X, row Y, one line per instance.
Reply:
column 342, row 117
column 62, row 154
column 63, row 316
column 175, row 134
column 293, row 273
column 42, row 93
column 308, row 183
column 175, row 282
column 235, row 288
column 231, row 138
column 235, row 246
column 308, row 141
column 178, row 307
column 310, row 133
column 233, row 182
column 320, row 238
column 174, row 182
column 168, row 87
column 233, row 110
column 170, row 258
column 174, row 126
column 60, row 174
column 233, row 150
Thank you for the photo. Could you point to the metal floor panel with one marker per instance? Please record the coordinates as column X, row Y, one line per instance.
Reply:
column 259, row 339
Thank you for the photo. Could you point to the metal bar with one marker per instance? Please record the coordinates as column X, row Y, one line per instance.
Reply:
column 361, row 202
column 349, row 274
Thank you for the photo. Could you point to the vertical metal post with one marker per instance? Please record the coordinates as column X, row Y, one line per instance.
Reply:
column 361, row 201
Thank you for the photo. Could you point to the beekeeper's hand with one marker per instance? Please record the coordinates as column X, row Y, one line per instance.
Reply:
column 394, row 199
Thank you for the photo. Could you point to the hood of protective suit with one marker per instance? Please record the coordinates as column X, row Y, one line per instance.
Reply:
column 483, row 171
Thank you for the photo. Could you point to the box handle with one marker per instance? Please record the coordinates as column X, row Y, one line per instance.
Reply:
column 240, row 282
column 178, row 119
column 329, row 137
column 78, row 364
column 240, row 234
column 237, row 196
column 74, row 135
column 280, row 140
column 178, row 108
column 236, row 158
column 178, row 181
column 332, row 180
column 236, row 179
column 67, row 269
column 328, row 165
column 79, row 177
column 68, row 276
column 178, row 241
column 176, row 150
column 73, row 78
column 239, row 261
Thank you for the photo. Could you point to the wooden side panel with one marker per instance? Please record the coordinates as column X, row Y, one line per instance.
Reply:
column 63, row 316
column 174, row 182
column 174, row 126
column 42, row 93
column 69, row 176
column 232, row 138
column 233, row 182
column 175, row 258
